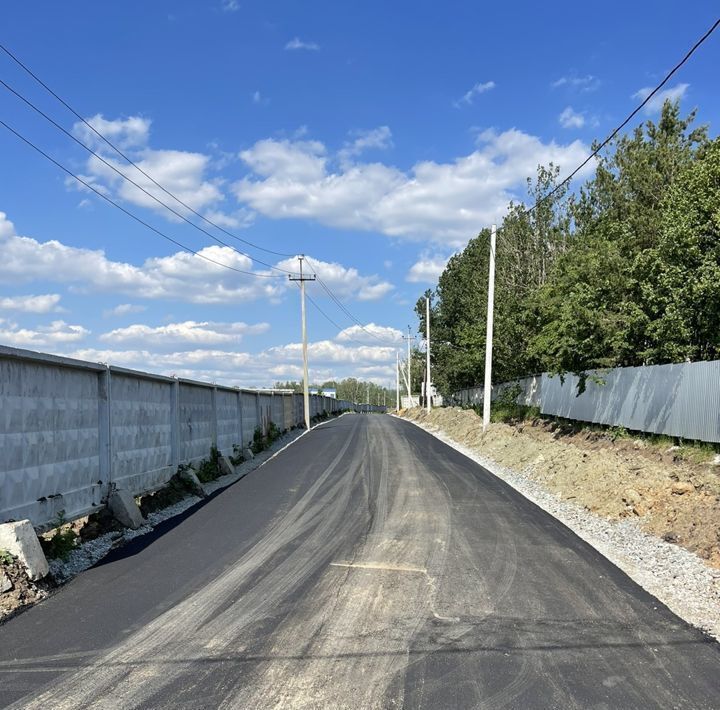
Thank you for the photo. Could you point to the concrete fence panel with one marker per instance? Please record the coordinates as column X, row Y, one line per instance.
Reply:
column 49, row 438
column 198, row 424
column 228, row 420
column 71, row 430
column 141, row 431
column 249, row 415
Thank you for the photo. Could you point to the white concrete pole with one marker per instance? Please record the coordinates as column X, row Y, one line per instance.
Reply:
column 397, row 380
column 487, row 391
column 306, row 392
column 409, row 377
column 428, row 405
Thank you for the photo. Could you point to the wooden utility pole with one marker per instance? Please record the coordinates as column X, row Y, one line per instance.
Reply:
column 306, row 385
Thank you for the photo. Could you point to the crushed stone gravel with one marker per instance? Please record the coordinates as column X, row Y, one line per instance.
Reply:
column 676, row 577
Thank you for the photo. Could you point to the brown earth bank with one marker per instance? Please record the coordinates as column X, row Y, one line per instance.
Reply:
column 672, row 497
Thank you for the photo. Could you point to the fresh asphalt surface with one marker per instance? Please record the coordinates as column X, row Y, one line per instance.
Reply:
column 367, row 566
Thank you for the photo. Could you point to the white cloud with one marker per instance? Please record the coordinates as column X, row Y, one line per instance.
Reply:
column 676, row 93
column 569, row 118
column 469, row 96
column 131, row 132
column 181, row 173
column 286, row 160
column 370, row 333
column 329, row 359
column 181, row 276
column 426, row 269
column 56, row 334
column 378, row 138
column 585, row 83
column 46, row 303
column 344, row 282
column 443, row 202
column 259, row 99
column 297, row 43
column 186, row 333
column 230, row 5
column 124, row 309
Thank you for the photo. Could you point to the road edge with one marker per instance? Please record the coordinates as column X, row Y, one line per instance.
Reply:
column 702, row 611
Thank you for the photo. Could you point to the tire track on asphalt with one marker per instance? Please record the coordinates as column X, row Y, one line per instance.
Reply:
column 148, row 660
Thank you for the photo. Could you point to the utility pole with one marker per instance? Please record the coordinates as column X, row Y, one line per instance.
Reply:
column 306, row 393
column 487, row 390
column 428, row 404
column 397, row 380
column 409, row 337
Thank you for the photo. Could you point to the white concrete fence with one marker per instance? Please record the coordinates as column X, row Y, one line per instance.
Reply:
column 681, row 400
column 71, row 431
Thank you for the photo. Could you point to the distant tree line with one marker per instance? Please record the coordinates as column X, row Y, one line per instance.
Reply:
column 625, row 271
column 350, row 389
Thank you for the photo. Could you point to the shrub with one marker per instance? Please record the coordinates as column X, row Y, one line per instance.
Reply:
column 258, row 443
column 62, row 543
column 209, row 469
column 237, row 458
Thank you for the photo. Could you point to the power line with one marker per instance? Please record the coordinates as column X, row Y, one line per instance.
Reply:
column 630, row 116
column 327, row 290
column 131, row 162
column 128, row 212
column 132, row 182
column 329, row 319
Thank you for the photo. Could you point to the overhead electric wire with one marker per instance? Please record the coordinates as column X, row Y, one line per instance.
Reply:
column 128, row 212
column 627, row 120
column 328, row 318
column 132, row 182
column 326, row 288
column 131, row 162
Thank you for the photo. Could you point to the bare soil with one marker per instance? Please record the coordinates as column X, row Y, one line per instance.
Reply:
column 23, row 592
column 672, row 496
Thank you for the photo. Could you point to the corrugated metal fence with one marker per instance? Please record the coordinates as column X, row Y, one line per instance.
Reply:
column 70, row 429
column 680, row 400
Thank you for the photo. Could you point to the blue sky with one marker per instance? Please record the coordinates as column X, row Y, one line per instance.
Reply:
column 377, row 138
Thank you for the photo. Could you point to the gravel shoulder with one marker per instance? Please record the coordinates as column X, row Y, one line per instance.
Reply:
column 688, row 584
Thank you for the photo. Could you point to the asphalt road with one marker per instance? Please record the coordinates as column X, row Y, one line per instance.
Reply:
column 367, row 566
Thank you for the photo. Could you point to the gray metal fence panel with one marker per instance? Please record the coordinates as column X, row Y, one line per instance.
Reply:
column 681, row 400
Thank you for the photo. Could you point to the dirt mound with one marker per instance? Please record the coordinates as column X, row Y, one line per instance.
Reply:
column 672, row 497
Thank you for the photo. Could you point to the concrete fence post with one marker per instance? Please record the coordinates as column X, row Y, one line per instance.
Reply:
column 214, row 417
column 258, row 413
column 104, row 429
column 175, row 424
column 241, row 433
